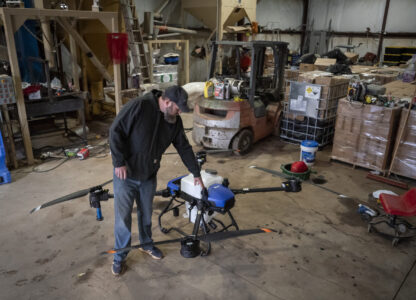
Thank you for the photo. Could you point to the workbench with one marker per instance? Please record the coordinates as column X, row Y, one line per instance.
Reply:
column 59, row 104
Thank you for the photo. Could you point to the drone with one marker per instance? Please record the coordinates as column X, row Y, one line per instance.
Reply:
column 203, row 205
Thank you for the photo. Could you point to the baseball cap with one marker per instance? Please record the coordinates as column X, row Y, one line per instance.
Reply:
column 178, row 95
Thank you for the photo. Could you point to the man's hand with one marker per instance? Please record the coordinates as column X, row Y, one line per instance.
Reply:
column 198, row 181
column 121, row 172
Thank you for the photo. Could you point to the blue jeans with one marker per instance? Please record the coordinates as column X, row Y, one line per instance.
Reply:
column 125, row 192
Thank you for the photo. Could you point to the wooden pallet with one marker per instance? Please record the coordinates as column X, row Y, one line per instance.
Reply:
column 355, row 165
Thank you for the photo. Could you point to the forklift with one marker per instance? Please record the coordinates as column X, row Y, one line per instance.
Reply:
column 240, row 105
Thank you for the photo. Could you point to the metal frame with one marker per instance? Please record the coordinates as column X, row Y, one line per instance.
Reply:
column 257, row 52
column 13, row 18
column 184, row 62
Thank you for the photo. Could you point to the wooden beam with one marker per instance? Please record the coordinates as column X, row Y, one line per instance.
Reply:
column 46, row 37
column 35, row 13
column 84, row 47
column 9, row 130
column 150, row 60
column 186, row 60
column 20, row 101
column 85, row 86
column 117, row 72
column 74, row 63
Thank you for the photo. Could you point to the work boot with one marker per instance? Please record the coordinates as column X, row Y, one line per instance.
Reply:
column 153, row 251
column 117, row 268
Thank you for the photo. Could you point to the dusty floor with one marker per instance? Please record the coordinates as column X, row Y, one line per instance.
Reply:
column 321, row 251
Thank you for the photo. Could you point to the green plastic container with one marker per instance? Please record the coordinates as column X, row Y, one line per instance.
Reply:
column 302, row 176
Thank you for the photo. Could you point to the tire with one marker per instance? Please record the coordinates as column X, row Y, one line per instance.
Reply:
column 243, row 142
column 394, row 242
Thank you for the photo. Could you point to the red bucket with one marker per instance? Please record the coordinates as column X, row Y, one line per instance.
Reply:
column 117, row 44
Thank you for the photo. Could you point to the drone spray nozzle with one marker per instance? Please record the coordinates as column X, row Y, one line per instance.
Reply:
column 292, row 185
column 98, row 194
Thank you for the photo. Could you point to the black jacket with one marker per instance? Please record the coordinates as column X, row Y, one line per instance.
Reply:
column 140, row 135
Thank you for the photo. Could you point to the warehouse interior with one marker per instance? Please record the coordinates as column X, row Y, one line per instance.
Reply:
column 302, row 123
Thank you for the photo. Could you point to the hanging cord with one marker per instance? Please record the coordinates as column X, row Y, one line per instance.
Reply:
column 40, row 41
column 36, row 170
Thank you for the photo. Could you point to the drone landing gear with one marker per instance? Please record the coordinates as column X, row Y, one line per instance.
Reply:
column 190, row 244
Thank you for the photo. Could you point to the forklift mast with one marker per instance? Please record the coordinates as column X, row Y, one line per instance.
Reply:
column 257, row 50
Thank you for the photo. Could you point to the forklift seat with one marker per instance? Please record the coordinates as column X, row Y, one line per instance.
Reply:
column 259, row 109
column 404, row 205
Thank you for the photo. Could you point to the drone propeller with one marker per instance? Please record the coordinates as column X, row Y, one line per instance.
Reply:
column 67, row 197
column 213, row 237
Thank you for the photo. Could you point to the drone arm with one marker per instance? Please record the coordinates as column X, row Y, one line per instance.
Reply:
column 292, row 185
column 163, row 193
column 257, row 190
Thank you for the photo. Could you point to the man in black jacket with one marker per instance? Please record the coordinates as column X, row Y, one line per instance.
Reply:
column 139, row 136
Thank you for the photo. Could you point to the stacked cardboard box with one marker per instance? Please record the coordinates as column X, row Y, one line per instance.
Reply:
column 364, row 134
column 323, row 63
column 291, row 74
column 400, row 89
column 405, row 162
column 306, row 67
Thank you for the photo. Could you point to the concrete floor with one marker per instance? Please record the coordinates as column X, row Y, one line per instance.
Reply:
column 321, row 251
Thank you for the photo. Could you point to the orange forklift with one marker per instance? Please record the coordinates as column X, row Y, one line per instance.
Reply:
column 241, row 104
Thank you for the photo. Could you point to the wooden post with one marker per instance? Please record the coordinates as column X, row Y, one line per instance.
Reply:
column 74, row 63
column 46, row 37
column 117, row 72
column 150, row 46
column 85, row 85
column 9, row 130
column 20, row 101
column 186, row 54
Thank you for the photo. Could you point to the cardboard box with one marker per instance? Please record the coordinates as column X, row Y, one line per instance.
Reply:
column 323, row 63
column 353, row 57
column 400, row 89
column 291, row 74
column 306, row 67
column 365, row 134
column 312, row 75
column 404, row 163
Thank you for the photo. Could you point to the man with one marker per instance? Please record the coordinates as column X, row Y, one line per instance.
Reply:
column 139, row 135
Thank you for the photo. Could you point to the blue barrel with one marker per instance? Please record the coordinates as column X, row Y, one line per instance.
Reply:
column 4, row 172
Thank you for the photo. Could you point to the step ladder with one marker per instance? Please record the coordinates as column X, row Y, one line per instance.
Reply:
column 136, row 42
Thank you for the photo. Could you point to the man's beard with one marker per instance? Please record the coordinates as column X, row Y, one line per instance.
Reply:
column 169, row 116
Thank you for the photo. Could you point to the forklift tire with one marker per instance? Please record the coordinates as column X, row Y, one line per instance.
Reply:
column 243, row 142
